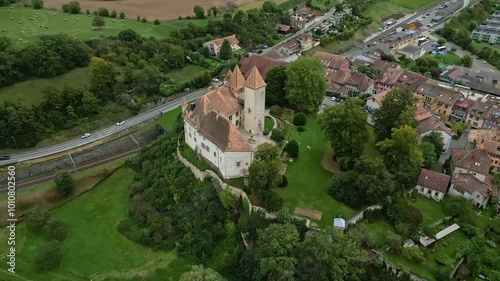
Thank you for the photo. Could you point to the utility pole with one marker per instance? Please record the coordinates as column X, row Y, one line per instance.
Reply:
column 15, row 142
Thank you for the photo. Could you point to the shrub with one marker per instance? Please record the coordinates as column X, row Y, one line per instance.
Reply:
column 299, row 119
column 301, row 129
column 144, row 20
column 445, row 260
column 277, row 135
column 87, row 12
column 114, row 14
column 37, row 4
column 122, row 15
column 157, row 22
column 469, row 230
column 276, row 110
column 103, row 12
column 292, row 148
column 49, row 256
column 138, row 18
column 284, row 181
column 64, row 184
column 395, row 242
column 56, row 229
column 36, row 218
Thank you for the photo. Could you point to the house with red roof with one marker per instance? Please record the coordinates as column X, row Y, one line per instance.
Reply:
column 432, row 184
column 215, row 45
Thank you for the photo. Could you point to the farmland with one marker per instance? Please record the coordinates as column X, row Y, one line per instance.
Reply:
column 19, row 27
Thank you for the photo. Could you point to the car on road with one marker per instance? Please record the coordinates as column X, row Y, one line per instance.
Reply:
column 485, row 61
column 120, row 123
column 215, row 79
column 4, row 157
column 86, row 135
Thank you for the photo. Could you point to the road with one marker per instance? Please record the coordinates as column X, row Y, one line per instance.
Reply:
column 363, row 48
column 104, row 133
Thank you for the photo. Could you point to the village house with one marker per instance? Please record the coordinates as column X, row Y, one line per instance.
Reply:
column 432, row 184
column 394, row 42
column 488, row 141
column 412, row 52
column 297, row 45
column 415, row 25
column 398, row 79
column 215, row 45
column 348, row 83
column 479, row 81
column 484, row 114
column 332, row 61
column 438, row 99
column 435, row 124
column 221, row 125
column 470, row 179
column 381, row 66
column 263, row 64
column 283, row 29
column 460, row 109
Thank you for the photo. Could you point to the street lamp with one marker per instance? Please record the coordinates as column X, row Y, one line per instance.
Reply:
column 15, row 142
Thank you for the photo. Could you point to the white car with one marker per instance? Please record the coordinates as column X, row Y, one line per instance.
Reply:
column 86, row 135
column 120, row 123
column 215, row 79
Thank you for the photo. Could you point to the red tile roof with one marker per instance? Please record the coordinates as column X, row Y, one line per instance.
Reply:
column 263, row 64
column 470, row 184
column 232, row 40
column 433, row 180
column 254, row 80
column 433, row 123
column 332, row 61
column 283, row 27
column 471, row 159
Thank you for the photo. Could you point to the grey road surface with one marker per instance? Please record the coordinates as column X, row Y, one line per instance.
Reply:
column 106, row 132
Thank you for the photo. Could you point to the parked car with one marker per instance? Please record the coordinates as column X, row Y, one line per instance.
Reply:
column 215, row 79
column 120, row 123
column 86, row 135
column 264, row 46
column 4, row 157
column 332, row 99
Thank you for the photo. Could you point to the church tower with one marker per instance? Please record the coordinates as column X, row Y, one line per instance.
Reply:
column 255, row 103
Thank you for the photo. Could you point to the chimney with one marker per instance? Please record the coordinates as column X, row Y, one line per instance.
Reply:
column 229, row 145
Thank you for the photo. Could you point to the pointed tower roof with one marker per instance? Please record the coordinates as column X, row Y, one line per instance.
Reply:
column 254, row 80
column 237, row 80
column 228, row 75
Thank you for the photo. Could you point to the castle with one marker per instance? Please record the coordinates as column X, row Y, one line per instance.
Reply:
column 214, row 125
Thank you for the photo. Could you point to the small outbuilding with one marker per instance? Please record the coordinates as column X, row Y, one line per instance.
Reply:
column 339, row 224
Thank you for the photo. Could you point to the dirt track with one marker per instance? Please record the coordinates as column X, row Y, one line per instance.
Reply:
column 151, row 9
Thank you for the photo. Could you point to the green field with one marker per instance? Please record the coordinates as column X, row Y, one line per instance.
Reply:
column 449, row 59
column 189, row 72
column 322, row 5
column 412, row 4
column 308, row 180
column 383, row 9
column 167, row 120
column 94, row 249
column 30, row 91
column 79, row 26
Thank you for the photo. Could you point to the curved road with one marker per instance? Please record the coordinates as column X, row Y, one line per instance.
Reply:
column 77, row 142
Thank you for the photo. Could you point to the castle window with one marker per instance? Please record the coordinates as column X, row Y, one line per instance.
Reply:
column 238, row 164
column 237, row 113
column 190, row 135
column 195, row 140
column 230, row 117
column 215, row 155
column 237, row 123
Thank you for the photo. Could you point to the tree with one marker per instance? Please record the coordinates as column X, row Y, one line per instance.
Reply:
column 344, row 126
column 437, row 140
column 122, row 15
column 72, row 7
column 36, row 218
column 200, row 273
column 37, row 4
column 306, row 84
column 56, row 229
column 403, row 155
column 149, row 80
column 199, row 12
column 374, row 181
column 467, row 61
column 114, row 14
column 264, row 170
column 225, row 52
column 49, row 256
column 398, row 109
column 275, row 252
column 102, row 78
column 103, row 12
column 98, row 22
column 227, row 198
column 275, row 89
column 156, row 22
column 329, row 255
column 458, row 127
column 64, row 183
column 428, row 154
column 90, row 104
column 395, row 242
column 299, row 119
column 441, row 41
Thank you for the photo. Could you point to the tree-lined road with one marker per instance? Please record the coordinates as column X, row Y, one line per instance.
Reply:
column 101, row 134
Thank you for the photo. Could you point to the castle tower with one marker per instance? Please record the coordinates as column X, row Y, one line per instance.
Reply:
column 255, row 102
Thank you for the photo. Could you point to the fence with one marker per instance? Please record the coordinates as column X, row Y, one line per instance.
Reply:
column 354, row 219
column 395, row 269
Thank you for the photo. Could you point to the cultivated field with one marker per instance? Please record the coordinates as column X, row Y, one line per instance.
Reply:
column 151, row 9
column 23, row 30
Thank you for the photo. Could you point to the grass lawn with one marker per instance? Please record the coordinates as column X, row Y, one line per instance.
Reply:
column 322, row 5
column 79, row 26
column 268, row 125
column 382, row 9
column 308, row 180
column 94, row 249
column 257, row 4
column 413, row 4
column 449, row 58
column 185, row 74
column 371, row 148
column 432, row 211
column 30, row 91
column 167, row 120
